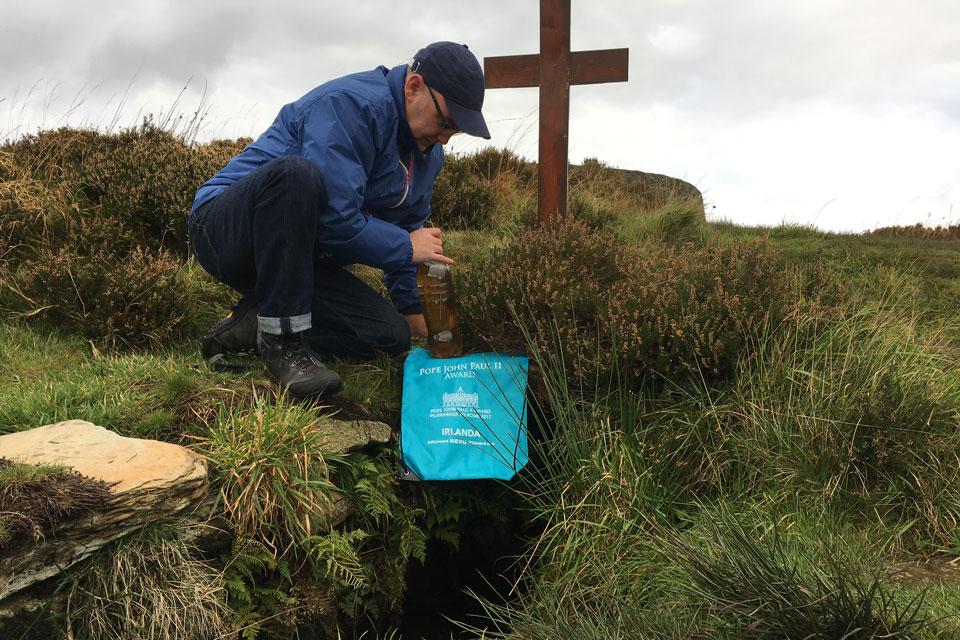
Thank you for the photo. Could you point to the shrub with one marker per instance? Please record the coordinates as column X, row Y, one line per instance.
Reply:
column 54, row 155
column 146, row 178
column 142, row 180
column 94, row 226
column 949, row 233
column 698, row 310
column 33, row 211
column 490, row 163
column 676, row 311
column 137, row 299
column 462, row 199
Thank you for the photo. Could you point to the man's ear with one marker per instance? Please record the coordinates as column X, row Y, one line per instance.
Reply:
column 413, row 85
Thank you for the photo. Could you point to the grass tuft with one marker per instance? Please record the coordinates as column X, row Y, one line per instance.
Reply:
column 272, row 469
column 148, row 586
column 756, row 586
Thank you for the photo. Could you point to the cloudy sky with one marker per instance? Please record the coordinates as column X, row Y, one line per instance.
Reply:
column 843, row 114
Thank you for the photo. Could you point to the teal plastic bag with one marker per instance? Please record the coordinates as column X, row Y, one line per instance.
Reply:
column 463, row 418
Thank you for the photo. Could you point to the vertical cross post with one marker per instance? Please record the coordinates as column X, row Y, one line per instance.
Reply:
column 554, row 69
column 554, row 109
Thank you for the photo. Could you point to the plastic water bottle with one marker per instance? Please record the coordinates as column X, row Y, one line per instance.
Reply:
column 439, row 305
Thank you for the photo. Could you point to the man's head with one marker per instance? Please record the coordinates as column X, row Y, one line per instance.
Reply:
column 444, row 94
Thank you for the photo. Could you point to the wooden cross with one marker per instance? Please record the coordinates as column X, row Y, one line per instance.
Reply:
column 554, row 69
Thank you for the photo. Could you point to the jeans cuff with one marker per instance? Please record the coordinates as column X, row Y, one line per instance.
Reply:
column 293, row 324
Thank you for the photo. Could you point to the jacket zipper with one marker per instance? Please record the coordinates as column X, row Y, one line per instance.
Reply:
column 409, row 173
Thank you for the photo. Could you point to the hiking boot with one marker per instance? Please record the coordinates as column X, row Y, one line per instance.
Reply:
column 293, row 365
column 237, row 333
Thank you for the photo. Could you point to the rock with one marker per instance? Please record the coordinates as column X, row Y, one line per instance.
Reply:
column 148, row 480
column 350, row 435
column 33, row 615
column 344, row 436
column 656, row 190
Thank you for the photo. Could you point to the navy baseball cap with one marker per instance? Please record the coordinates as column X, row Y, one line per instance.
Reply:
column 455, row 72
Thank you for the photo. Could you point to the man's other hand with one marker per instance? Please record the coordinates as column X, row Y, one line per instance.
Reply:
column 418, row 325
column 427, row 246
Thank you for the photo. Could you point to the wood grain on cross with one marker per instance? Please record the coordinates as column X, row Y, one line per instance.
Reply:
column 554, row 69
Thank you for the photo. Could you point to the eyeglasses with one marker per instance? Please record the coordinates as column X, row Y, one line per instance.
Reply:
column 445, row 125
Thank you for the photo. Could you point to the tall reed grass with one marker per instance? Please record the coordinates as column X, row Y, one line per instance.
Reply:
column 766, row 507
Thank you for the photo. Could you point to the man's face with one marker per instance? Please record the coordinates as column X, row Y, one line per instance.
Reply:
column 427, row 114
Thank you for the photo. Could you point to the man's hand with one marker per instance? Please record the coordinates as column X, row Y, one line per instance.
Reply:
column 427, row 246
column 418, row 325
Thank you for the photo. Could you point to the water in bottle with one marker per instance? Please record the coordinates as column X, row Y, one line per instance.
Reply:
column 439, row 304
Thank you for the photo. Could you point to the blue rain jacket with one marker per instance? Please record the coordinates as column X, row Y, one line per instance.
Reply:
column 379, row 183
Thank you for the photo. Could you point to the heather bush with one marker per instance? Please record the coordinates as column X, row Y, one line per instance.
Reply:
column 949, row 233
column 94, row 231
column 53, row 155
column 562, row 271
column 146, row 178
column 141, row 181
column 462, row 198
column 675, row 312
column 34, row 208
column 698, row 310
column 490, row 162
column 140, row 298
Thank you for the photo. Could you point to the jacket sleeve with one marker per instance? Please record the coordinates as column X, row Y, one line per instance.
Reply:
column 342, row 134
column 402, row 281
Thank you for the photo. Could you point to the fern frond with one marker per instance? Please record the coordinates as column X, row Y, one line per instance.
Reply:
column 338, row 552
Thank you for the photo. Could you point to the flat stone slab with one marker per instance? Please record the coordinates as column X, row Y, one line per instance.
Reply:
column 349, row 435
column 148, row 480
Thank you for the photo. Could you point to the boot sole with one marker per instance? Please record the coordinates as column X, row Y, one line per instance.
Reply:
column 292, row 389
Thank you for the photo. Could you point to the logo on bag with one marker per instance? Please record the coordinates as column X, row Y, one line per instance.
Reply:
column 460, row 400
column 459, row 404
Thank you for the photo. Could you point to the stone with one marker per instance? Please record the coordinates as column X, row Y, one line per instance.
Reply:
column 33, row 615
column 657, row 190
column 148, row 480
column 343, row 436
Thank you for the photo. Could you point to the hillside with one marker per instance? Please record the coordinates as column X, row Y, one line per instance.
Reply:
column 736, row 432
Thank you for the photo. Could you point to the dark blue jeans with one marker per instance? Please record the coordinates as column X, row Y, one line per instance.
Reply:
column 260, row 237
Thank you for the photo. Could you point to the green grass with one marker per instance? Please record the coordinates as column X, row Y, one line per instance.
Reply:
column 933, row 265
column 272, row 469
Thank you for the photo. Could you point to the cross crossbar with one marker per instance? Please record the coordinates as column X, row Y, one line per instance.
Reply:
column 586, row 67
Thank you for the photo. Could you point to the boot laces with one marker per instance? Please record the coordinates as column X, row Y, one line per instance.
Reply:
column 296, row 352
